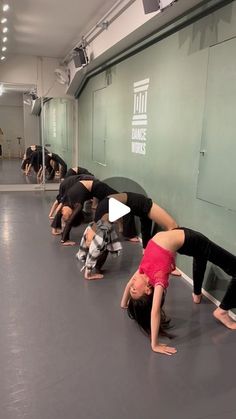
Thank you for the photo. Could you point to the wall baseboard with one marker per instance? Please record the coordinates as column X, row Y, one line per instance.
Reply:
column 205, row 293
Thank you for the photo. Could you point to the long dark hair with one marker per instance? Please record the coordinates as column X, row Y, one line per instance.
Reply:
column 140, row 311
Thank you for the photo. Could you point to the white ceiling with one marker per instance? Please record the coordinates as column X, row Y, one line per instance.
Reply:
column 51, row 28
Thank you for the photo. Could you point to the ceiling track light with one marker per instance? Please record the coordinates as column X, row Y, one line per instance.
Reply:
column 103, row 25
column 5, row 7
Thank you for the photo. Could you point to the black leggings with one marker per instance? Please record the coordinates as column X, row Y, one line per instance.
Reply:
column 101, row 190
column 202, row 249
column 101, row 260
column 140, row 206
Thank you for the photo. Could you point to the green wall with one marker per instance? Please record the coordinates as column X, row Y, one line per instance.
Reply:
column 59, row 127
column 177, row 69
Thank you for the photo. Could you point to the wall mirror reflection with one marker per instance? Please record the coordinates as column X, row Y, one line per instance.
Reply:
column 58, row 119
column 19, row 128
column 36, row 137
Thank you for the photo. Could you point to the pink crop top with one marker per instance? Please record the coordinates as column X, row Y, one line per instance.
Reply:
column 157, row 263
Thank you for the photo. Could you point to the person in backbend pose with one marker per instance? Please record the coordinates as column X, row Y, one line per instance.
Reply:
column 77, row 171
column 99, row 239
column 65, row 185
column 144, row 291
column 70, row 208
column 27, row 158
column 53, row 163
column 140, row 206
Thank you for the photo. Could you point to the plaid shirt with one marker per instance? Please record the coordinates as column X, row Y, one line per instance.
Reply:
column 105, row 238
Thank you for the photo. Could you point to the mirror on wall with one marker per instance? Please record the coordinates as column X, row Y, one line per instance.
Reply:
column 58, row 137
column 19, row 128
column 29, row 125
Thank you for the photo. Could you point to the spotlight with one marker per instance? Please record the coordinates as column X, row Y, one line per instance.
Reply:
column 3, row 58
column 4, row 49
column 80, row 57
column 4, row 39
column 4, row 20
column 151, row 6
column 5, row 7
column 103, row 25
column 5, row 29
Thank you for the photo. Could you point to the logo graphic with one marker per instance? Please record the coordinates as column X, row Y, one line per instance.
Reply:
column 139, row 120
column 116, row 210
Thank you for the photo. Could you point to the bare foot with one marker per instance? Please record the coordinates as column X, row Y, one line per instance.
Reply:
column 223, row 317
column 134, row 240
column 197, row 298
column 94, row 276
column 175, row 272
column 56, row 232
column 68, row 243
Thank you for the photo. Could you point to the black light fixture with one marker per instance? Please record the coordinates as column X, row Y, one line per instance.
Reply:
column 166, row 3
column 151, row 6
column 80, row 57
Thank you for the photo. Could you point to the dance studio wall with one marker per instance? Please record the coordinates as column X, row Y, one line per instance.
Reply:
column 12, row 124
column 59, row 127
column 188, row 87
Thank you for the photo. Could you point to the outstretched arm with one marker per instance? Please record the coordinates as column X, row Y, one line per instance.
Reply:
column 155, row 323
column 69, row 225
column 63, row 164
column 28, row 169
column 53, row 208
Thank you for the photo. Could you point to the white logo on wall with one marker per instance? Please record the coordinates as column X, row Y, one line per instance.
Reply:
column 139, row 120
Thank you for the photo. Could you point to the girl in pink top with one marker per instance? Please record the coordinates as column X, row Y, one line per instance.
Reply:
column 143, row 295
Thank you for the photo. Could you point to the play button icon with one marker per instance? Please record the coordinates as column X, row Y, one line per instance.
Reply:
column 116, row 210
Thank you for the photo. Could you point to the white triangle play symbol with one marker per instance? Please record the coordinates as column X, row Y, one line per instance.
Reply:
column 116, row 210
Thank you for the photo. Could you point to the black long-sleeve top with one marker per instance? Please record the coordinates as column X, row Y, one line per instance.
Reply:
column 56, row 158
column 140, row 206
column 68, row 182
column 77, row 195
column 79, row 171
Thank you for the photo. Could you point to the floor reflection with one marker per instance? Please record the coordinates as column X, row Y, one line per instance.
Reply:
column 11, row 173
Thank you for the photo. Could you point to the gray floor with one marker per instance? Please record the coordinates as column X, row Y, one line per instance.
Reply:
column 68, row 351
column 11, row 173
